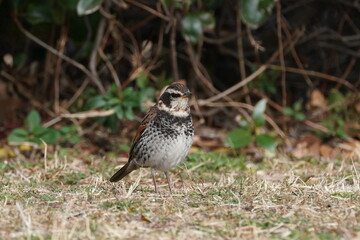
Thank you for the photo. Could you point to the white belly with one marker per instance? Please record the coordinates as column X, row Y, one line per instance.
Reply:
column 168, row 154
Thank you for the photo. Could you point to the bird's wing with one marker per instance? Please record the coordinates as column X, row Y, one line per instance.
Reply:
column 144, row 123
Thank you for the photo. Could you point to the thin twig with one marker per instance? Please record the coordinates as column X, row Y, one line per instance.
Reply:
column 24, row 92
column 89, row 114
column 250, row 78
column 315, row 74
column 77, row 93
column 57, row 53
column 281, row 53
column 149, row 9
column 62, row 43
column 110, row 67
column 295, row 54
column 240, row 51
column 221, row 40
column 97, row 42
column 173, row 52
column 195, row 64
column 235, row 87
column 158, row 51
column 251, row 108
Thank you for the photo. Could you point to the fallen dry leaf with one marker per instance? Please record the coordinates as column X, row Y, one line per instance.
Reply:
column 318, row 99
column 326, row 151
column 308, row 145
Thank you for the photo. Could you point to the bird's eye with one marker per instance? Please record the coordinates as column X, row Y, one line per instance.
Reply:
column 175, row 95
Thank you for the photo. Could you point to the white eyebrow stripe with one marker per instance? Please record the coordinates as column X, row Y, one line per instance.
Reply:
column 173, row 91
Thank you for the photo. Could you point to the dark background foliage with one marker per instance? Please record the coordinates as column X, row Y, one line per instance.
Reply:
column 63, row 57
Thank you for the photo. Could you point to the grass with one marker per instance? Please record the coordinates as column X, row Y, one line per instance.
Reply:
column 215, row 197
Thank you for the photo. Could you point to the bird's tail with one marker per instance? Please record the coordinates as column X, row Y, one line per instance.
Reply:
column 125, row 170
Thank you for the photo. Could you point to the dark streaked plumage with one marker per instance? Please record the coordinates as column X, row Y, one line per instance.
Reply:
column 164, row 136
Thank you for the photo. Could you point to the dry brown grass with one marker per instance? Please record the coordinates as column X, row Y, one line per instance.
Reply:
column 278, row 198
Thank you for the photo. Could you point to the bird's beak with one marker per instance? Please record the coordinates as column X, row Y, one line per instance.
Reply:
column 187, row 95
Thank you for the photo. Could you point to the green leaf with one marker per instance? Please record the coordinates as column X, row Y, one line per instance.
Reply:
column 329, row 125
column 258, row 113
column 340, row 132
column 207, row 20
column 19, row 60
column 33, row 120
column 192, row 27
column 340, row 122
column 85, row 7
column 67, row 129
column 142, row 80
column 335, row 96
column 21, row 132
column 39, row 13
column 255, row 12
column 18, row 135
column 127, row 92
column 238, row 138
column 119, row 112
column 129, row 114
column 74, row 138
column 144, row 94
column 95, row 102
column 39, row 131
column 49, row 136
column 297, row 106
column 265, row 141
column 113, row 90
column 299, row 116
column 111, row 121
column 288, row 111
column 114, row 101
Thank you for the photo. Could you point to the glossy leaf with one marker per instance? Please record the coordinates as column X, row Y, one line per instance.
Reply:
column 18, row 135
column 39, row 13
column 142, row 80
column 129, row 113
column 238, row 138
column 207, row 20
column 297, row 106
column 288, row 111
column 49, row 136
column 33, row 120
column 67, row 129
column 299, row 116
column 85, row 7
column 265, row 141
column 95, row 102
column 39, row 131
column 119, row 112
column 192, row 27
column 255, row 12
column 114, row 101
column 75, row 138
column 258, row 113
column 336, row 97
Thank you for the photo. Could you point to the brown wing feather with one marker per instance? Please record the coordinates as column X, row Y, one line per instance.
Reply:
column 129, row 167
column 144, row 123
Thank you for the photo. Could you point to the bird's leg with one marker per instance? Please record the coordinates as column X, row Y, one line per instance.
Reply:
column 153, row 173
column 168, row 181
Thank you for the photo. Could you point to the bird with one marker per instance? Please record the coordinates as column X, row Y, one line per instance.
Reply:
column 164, row 136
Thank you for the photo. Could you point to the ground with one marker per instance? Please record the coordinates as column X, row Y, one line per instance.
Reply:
column 67, row 195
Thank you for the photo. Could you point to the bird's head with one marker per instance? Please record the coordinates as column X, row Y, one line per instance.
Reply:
column 175, row 99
